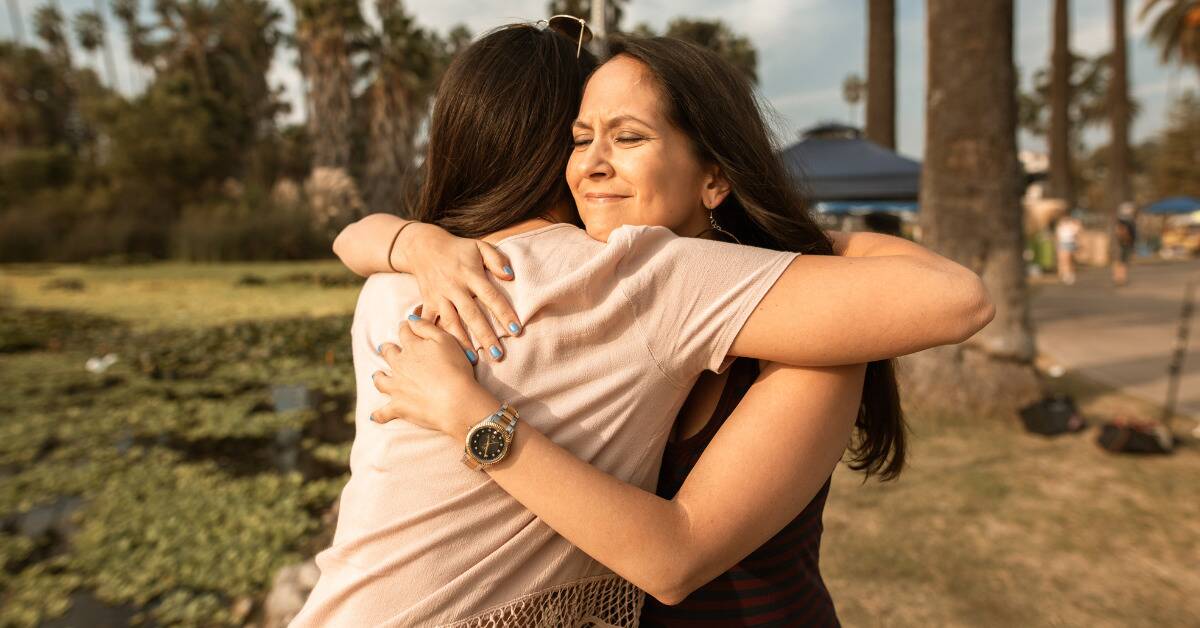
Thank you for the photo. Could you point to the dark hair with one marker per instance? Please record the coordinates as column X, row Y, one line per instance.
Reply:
column 764, row 207
column 499, row 134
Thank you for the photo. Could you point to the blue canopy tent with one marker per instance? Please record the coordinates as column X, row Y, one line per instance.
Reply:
column 845, row 173
column 1174, row 205
column 866, row 207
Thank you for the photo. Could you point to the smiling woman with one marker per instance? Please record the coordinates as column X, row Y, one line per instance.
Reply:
column 631, row 164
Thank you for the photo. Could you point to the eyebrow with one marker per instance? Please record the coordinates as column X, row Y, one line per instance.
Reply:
column 580, row 124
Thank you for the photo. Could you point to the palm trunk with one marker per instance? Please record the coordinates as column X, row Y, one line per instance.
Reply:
column 329, row 74
column 1060, row 101
column 881, row 73
column 970, row 207
column 110, row 64
column 1118, row 110
column 18, row 24
column 389, row 150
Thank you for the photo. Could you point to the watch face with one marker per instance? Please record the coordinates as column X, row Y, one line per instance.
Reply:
column 487, row 444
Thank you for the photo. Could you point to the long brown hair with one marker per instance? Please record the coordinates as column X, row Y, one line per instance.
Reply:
column 499, row 134
column 714, row 105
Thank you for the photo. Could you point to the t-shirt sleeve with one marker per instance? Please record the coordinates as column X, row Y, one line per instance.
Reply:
column 691, row 297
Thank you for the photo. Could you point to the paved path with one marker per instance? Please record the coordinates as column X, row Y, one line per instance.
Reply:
column 1124, row 336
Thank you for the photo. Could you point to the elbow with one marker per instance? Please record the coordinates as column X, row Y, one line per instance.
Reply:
column 670, row 592
column 342, row 242
column 674, row 580
column 978, row 309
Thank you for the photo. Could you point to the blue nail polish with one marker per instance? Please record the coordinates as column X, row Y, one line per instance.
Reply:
column 495, row 351
column 508, row 271
column 413, row 317
column 379, row 349
column 472, row 357
column 514, row 328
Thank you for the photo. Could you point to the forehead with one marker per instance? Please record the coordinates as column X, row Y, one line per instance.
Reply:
column 621, row 85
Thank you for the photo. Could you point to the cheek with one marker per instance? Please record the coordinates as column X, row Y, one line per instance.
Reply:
column 668, row 196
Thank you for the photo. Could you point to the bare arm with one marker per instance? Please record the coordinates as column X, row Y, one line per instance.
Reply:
column 880, row 298
column 713, row 522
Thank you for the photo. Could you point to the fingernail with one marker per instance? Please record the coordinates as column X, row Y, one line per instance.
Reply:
column 508, row 271
column 472, row 357
column 413, row 317
column 372, row 417
column 514, row 328
column 378, row 349
column 495, row 352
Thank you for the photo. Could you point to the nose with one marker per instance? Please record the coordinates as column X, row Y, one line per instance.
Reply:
column 594, row 163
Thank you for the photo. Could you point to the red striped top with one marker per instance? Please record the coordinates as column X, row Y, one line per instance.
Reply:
column 779, row 584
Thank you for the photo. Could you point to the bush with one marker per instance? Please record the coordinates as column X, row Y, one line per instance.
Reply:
column 254, row 229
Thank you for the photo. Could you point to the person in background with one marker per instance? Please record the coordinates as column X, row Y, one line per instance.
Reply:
column 1124, row 237
column 1065, row 234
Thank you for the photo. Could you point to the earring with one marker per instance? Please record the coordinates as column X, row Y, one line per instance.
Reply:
column 712, row 220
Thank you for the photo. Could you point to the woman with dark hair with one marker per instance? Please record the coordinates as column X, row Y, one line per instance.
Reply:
column 621, row 325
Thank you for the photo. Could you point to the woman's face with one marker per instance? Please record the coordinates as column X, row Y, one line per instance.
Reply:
column 631, row 165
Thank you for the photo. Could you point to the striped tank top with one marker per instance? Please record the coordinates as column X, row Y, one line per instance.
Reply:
column 779, row 584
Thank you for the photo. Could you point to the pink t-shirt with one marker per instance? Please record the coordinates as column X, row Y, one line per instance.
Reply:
column 615, row 336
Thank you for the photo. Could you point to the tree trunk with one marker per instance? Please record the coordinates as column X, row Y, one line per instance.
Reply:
column 1060, row 101
column 389, row 149
column 970, row 208
column 881, row 72
column 1118, row 111
column 329, row 87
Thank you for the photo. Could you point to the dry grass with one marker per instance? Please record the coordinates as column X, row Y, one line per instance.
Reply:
column 992, row 526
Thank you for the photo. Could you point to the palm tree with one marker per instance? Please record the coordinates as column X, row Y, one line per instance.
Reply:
column 405, row 64
column 881, row 72
column 51, row 28
column 89, row 32
column 1060, row 102
column 718, row 37
column 136, row 36
column 328, row 32
column 970, row 207
column 14, row 18
column 109, row 63
column 1118, row 109
column 1176, row 29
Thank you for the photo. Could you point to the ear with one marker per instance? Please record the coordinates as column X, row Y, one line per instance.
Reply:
column 715, row 186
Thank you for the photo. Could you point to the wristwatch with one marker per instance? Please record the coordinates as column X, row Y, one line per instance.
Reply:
column 489, row 439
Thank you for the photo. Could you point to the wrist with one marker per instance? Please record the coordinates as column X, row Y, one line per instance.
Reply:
column 471, row 408
column 399, row 258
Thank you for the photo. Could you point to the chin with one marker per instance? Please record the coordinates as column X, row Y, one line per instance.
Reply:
column 599, row 232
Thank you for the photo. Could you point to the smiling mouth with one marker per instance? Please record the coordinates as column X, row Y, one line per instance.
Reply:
column 603, row 198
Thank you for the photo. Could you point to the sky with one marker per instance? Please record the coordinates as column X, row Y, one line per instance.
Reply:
column 805, row 50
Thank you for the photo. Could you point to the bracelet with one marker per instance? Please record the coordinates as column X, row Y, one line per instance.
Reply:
column 395, row 238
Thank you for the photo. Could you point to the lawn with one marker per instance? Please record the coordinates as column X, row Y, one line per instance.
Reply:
column 992, row 526
column 172, row 486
